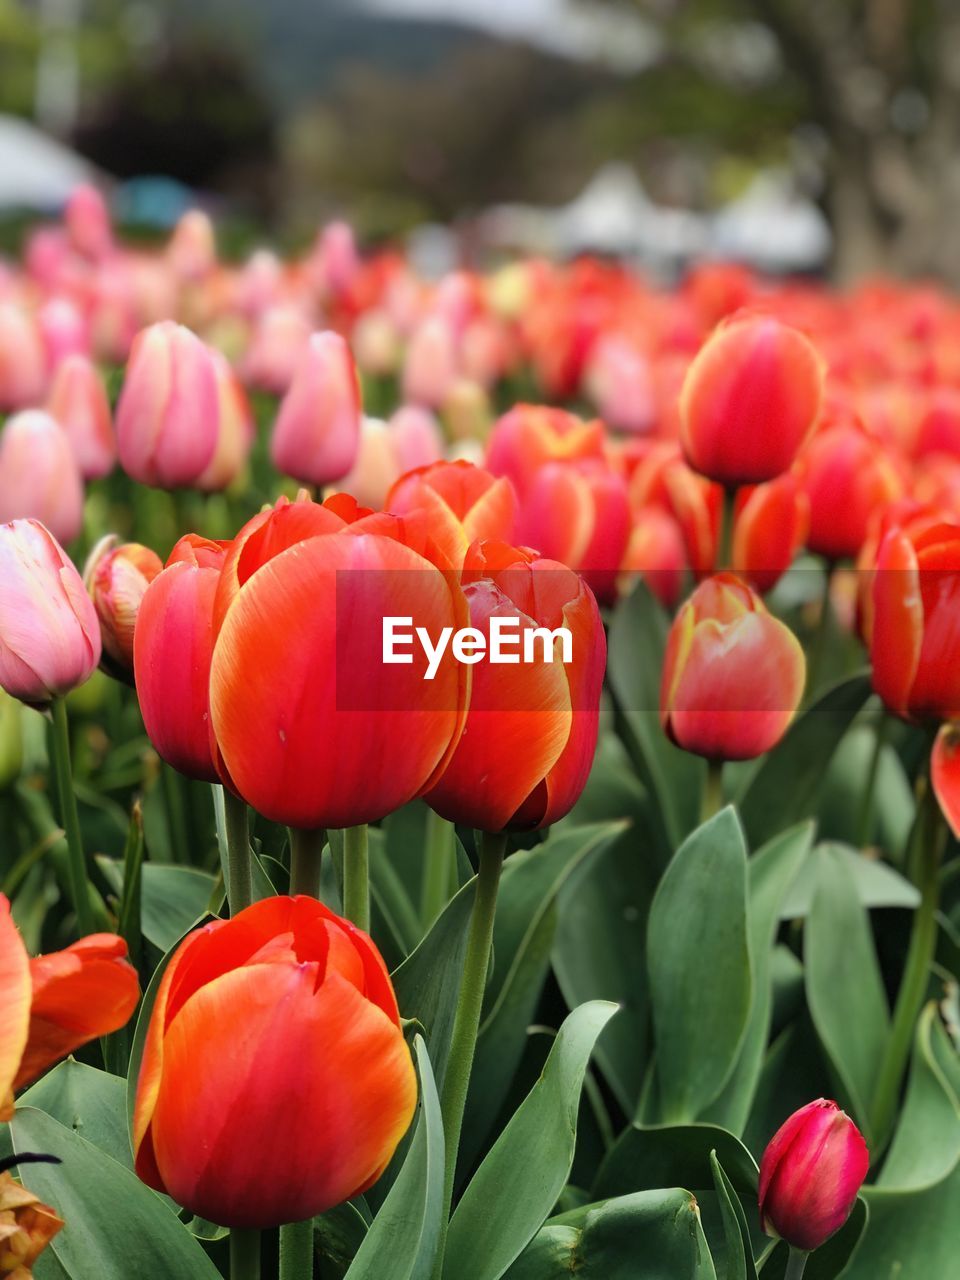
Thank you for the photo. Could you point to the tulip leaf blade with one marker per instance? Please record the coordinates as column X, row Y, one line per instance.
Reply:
column 605, row 1241
column 511, row 1194
column 739, row 1252
column 173, row 898
column 116, row 1227
column 645, row 1157
column 845, row 992
column 698, row 961
column 402, row 1241
column 88, row 1101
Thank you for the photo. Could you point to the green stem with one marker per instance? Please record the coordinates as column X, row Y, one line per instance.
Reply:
column 796, row 1264
column 724, row 562
column 466, row 1023
column 296, row 1251
column 865, row 816
column 927, row 844
column 437, row 865
column 356, row 876
column 173, row 803
column 712, row 799
column 306, row 852
column 79, row 885
column 244, row 1254
column 239, row 857
column 818, row 646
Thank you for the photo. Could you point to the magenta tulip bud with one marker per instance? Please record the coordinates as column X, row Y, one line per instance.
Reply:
column 317, row 432
column 22, row 359
column 39, row 476
column 167, row 416
column 810, row 1174
column 87, row 220
column 49, row 634
column 79, row 403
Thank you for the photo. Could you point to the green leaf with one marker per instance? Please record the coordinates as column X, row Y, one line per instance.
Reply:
column 845, row 991
column 512, row 1193
column 522, row 942
column 912, row 1234
column 390, row 897
column 771, row 871
column 830, row 1261
column 784, row 787
column 698, row 959
column 638, row 634
column 401, row 1243
column 877, row 884
column 337, row 1237
column 739, row 1251
column 676, row 1155
column 892, row 805
column 116, row 1227
column 89, row 1102
column 608, row 1241
column 173, row 898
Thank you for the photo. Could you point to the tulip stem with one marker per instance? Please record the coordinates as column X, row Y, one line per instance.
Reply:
column 927, row 844
column 239, row 857
column 865, row 816
column 796, row 1264
column 437, row 864
column 356, row 876
column 296, row 1251
column 306, row 854
column 244, row 1253
column 466, row 1023
column 79, row 884
column 712, row 800
column 728, row 504
column 818, row 644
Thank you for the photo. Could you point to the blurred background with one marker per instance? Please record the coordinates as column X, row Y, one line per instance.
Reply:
column 812, row 136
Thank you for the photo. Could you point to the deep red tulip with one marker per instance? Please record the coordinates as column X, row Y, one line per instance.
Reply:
column 116, row 575
column 463, row 503
column 750, row 399
column 275, row 1080
column 847, row 476
column 810, row 1174
column 531, row 731
column 733, row 674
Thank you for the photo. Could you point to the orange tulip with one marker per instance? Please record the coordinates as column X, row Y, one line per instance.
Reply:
column 54, row 1004
column 657, row 553
column 770, row 526
column 531, row 731
column 749, row 400
column 275, row 1080
column 733, row 675
column 462, row 503
column 530, row 435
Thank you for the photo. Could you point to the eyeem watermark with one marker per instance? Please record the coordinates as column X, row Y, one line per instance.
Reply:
column 505, row 644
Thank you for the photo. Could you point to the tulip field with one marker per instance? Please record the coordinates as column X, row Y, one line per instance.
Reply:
column 479, row 768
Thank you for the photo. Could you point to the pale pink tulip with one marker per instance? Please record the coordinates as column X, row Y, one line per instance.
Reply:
column 22, row 362
column 78, row 400
column 39, row 476
column 236, row 432
column 316, row 434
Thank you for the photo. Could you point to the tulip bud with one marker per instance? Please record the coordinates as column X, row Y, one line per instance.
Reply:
column 749, row 400
column 430, row 364
column 466, row 410
column 620, row 385
column 810, row 1174
column 334, row 262
column 22, row 359
column 376, row 343
column 39, row 477
column 278, row 346
column 733, row 675
column 116, row 575
column 49, row 636
column 285, row 1000
column 236, row 432
column 27, row 1226
column 415, row 438
column 317, row 431
column 192, row 251
column 167, row 415
column 63, row 331
column 376, row 467
column 771, row 524
column 79, row 403
column 172, row 648
column 87, row 220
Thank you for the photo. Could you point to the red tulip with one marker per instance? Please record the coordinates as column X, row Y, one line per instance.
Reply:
column 733, row 675
column 172, row 648
column 78, row 401
column 39, row 476
column 317, row 431
column 750, row 399
column 847, row 476
column 657, row 553
column 663, row 480
column 275, row 1080
column 810, row 1174
column 116, row 576
column 531, row 731
column 769, row 529
column 462, row 503
column 530, row 435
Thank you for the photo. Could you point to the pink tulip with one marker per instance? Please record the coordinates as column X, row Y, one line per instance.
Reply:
column 63, row 330
column 22, row 361
column 49, row 635
column 192, row 250
column 317, row 432
column 236, row 432
column 619, row 382
column 810, row 1174
column 279, row 343
column 430, row 365
column 334, row 262
column 87, row 221
column 415, row 437
column 168, row 415
column 375, row 469
column 78, row 401
column 39, row 476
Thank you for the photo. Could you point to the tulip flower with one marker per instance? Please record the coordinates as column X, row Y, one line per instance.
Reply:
column 749, row 400
column 49, row 635
column 662, row 479
column 847, row 476
column 22, row 361
column 39, row 476
column 57, row 1002
column 415, row 439
column 78, row 401
column 770, row 525
column 172, row 647
column 619, row 381
column 27, row 1226
column 461, row 502
column 192, row 250
column 87, row 220
column 275, row 1080
column 655, row 552
column 529, row 436
column 430, row 365
column 167, row 415
column 236, row 430
column 116, row 576
column 810, row 1174
column 316, row 434
column 307, row 715
column 277, row 348
column 733, row 674
column 531, row 730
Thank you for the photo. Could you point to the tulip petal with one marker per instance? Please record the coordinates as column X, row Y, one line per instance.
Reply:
column 15, row 994
column 897, row 629
column 945, row 774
